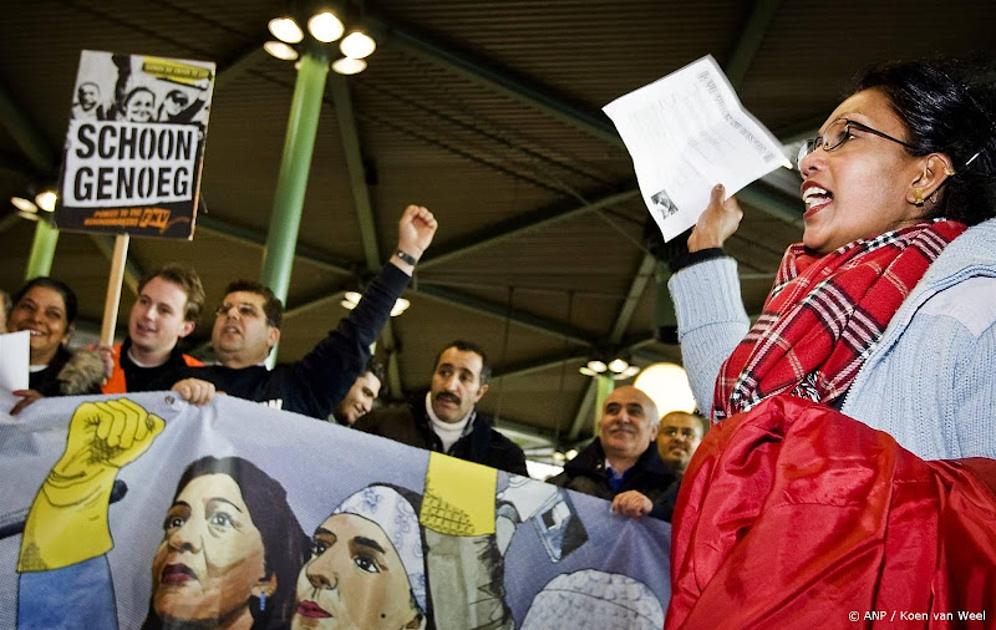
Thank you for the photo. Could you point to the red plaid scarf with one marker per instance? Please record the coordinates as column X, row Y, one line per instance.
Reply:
column 824, row 316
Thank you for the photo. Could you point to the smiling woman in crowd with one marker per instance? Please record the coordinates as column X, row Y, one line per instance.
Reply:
column 46, row 308
column 887, row 308
column 230, row 553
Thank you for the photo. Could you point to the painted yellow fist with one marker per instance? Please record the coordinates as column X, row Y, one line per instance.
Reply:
column 68, row 519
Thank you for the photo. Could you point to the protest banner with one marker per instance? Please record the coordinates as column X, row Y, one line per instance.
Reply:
column 146, row 511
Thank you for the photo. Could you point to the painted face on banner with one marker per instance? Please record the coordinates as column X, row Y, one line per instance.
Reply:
column 211, row 557
column 354, row 579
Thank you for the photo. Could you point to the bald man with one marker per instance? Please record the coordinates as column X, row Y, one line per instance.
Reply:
column 622, row 463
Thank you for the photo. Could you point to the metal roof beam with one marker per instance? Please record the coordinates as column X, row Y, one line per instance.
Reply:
column 242, row 63
column 517, row 225
column 751, row 38
column 501, row 311
column 644, row 273
column 525, row 368
column 132, row 273
column 250, row 236
column 26, row 133
column 490, row 74
column 542, row 97
column 9, row 221
column 757, row 194
column 343, row 106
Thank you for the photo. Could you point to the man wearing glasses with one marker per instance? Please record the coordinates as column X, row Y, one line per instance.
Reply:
column 247, row 326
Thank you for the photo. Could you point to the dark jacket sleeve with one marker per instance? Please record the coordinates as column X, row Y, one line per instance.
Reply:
column 515, row 460
column 326, row 373
column 664, row 503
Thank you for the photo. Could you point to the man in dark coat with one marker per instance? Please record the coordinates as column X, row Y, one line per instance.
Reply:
column 445, row 419
column 622, row 463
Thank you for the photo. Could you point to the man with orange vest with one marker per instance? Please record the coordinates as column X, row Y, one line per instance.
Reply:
column 169, row 303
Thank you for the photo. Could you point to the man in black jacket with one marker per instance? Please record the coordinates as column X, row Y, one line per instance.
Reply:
column 445, row 419
column 622, row 463
column 247, row 326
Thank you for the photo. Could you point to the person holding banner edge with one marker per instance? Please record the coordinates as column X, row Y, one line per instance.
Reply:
column 247, row 326
column 170, row 300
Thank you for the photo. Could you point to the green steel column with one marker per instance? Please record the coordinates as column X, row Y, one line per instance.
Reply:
column 604, row 386
column 302, row 126
column 292, row 182
column 42, row 250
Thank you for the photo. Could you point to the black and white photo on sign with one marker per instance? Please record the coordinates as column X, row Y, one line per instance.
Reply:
column 663, row 204
column 112, row 86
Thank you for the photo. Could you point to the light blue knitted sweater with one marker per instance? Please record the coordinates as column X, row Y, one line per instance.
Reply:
column 930, row 382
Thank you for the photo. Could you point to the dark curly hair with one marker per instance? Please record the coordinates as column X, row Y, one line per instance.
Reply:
column 949, row 107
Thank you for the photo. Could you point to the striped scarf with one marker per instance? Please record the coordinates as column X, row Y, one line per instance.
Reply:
column 824, row 316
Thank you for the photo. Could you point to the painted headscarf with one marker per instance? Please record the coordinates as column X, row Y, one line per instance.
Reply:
column 395, row 515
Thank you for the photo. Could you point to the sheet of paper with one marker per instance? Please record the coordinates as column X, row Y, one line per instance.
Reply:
column 14, row 357
column 686, row 133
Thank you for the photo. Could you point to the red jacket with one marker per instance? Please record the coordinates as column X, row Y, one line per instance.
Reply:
column 796, row 516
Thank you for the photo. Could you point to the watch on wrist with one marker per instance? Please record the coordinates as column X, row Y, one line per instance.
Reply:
column 406, row 257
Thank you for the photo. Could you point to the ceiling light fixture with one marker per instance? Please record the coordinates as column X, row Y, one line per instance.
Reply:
column 24, row 205
column 347, row 65
column 357, row 45
column 324, row 27
column 286, row 30
column 597, row 366
column 280, row 50
column 46, row 200
column 618, row 369
column 351, row 299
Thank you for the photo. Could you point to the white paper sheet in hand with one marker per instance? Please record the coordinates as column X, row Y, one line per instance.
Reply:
column 14, row 357
column 686, row 133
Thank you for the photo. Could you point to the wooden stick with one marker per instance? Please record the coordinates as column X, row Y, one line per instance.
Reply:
column 114, row 290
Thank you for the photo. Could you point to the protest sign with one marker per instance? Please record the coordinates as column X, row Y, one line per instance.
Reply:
column 126, row 512
column 135, row 145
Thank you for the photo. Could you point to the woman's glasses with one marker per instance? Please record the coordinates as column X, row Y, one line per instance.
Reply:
column 836, row 135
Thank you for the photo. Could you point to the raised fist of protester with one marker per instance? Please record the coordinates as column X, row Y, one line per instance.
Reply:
column 631, row 503
column 68, row 519
column 717, row 222
column 415, row 230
